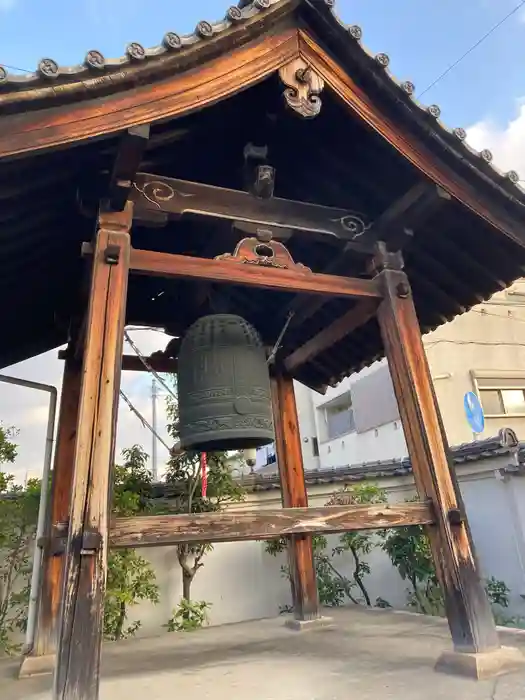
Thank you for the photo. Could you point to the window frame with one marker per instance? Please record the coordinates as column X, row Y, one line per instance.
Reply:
column 491, row 380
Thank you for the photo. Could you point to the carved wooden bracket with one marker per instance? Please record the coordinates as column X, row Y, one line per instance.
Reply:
column 266, row 254
column 304, row 86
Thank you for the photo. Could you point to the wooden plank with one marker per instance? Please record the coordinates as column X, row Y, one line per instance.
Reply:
column 336, row 331
column 190, row 90
column 468, row 611
column 294, row 495
column 78, row 661
column 132, row 363
column 163, row 530
column 229, row 272
column 53, row 563
column 183, row 197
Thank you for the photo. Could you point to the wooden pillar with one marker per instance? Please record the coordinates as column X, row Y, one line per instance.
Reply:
column 80, row 630
column 469, row 615
column 293, row 493
column 50, row 593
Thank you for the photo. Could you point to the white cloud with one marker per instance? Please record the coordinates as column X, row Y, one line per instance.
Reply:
column 507, row 143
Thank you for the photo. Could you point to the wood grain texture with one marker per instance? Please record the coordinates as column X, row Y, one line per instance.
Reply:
column 188, row 267
column 294, row 495
column 154, row 194
column 332, row 334
column 162, row 530
column 52, row 566
column 194, row 89
column 404, row 142
column 468, row 611
column 78, row 663
column 132, row 363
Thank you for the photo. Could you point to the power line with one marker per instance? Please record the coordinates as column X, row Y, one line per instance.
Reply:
column 22, row 70
column 472, row 48
column 142, row 419
column 149, row 367
column 473, row 342
column 505, row 318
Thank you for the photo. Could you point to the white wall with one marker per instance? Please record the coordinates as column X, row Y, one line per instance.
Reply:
column 242, row 582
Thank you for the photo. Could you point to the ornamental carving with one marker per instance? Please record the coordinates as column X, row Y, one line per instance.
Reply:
column 303, row 88
column 267, row 254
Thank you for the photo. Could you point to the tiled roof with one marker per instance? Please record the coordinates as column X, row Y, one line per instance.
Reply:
column 95, row 64
column 49, row 74
column 505, row 443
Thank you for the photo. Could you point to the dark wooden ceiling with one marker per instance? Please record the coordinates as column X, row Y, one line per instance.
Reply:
column 454, row 260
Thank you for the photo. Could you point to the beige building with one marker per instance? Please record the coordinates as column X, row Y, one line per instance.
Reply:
column 482, row 350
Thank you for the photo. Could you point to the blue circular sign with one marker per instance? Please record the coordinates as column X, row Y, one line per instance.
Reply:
column 474, row 412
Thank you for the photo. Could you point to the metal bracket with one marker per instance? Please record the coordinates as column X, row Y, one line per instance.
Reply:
column 455, row 516
column 56, row 542
column 112, row 254
column 91, row 542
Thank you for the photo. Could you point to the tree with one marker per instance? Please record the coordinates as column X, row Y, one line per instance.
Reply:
column 130, row 577
column 358, row 543
column 184, row 477
column 18, row 518
column 333, row 587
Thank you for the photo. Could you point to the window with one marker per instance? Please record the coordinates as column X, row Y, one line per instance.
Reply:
column 315, row 446
column 504, row 396
column 339, row 418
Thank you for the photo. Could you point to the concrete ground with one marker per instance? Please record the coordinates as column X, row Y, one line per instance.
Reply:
column 366, row 655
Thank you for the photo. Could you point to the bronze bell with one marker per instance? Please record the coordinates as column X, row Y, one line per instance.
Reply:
column 223, row 386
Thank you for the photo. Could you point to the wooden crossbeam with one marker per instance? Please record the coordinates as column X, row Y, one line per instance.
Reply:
column 162, row 530
column 163, row 194
column 336, row 331
column 187, row 267
column 159, row 363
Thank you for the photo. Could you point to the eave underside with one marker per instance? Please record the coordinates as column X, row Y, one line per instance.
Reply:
column 454, row 261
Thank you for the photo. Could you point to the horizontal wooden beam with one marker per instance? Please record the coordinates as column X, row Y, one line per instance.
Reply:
column 179, row 197
column 186, row 267
column 161, row 530
column 332, row 334
column 132, row 363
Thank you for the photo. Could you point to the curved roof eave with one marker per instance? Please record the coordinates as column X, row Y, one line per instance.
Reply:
column 254, row 40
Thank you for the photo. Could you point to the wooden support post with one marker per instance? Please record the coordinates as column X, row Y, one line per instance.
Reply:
column 293, row 493
column 41, row 657
column 468, row 611
column 79, row 642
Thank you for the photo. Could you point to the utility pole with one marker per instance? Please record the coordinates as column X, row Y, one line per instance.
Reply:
column 154, row 395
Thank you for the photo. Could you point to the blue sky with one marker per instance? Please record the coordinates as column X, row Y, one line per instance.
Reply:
column 421, row 36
